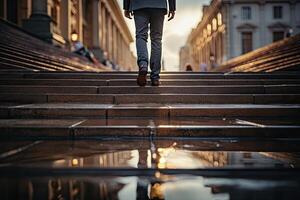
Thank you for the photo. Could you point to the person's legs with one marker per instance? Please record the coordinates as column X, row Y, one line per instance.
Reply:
column 142, row 19
column 156, row 31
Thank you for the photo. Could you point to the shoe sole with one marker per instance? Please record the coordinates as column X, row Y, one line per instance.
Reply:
column 156, row 85
column 142, row 79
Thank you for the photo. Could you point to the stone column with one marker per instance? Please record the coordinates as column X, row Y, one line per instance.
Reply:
column 40, row 23
column 66, row 19
column 39, row 7
column 80, row 20
column 3, row 11
column 96, row 36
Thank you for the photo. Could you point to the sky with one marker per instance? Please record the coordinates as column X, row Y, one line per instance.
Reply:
column 188, row 15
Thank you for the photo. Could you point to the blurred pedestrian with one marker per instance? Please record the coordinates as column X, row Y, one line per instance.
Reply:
column 188, row 67
column 80, row 49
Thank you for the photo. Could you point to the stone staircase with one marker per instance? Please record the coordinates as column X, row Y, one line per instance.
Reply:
column 76, row 105
column 282, row 55
column 22, row 51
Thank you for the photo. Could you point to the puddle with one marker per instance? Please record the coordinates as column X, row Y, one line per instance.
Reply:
column 160, row 154
column 146, row 188
column 142, row 169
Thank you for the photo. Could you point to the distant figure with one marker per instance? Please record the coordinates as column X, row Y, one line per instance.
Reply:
column 289, row 33
column 188, row 68
column 80, row 49
column 212, row 61
column 106, row 62
column 149, row 13
column 203, row 67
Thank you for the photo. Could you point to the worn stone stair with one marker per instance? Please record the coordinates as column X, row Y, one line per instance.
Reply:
column 109, row 104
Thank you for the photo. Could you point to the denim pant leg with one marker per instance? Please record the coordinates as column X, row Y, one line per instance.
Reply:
column 156, row 31
column 142, row 19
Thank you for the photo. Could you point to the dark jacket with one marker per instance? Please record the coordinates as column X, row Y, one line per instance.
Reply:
column 139, row 4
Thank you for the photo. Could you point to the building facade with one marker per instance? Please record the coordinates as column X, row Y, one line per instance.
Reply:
column 230, row 28
column 98, row 24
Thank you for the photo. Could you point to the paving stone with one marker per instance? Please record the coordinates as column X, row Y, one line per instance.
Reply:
column 183, row 90
column 81, row 98
column 283, row 89
column 35, row 132
column 48, row 89
column 149, row 122
column 114, row 132
column 229, row 131
column 138, row 112
column 277, row 99
column 54, row 82
column 38, row 122
column 23, row 98
column 163, row 76
column 187, row 82
column 274, row 122
column 223, row 82
column 183, row 98
column 262, row 76
column 13, row 146
column 4, row 113
column 233, row 111
column 59, row 111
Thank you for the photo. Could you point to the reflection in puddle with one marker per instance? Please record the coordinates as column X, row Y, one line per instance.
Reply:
column 140, row 188
column 172, row 156
column 144, row 155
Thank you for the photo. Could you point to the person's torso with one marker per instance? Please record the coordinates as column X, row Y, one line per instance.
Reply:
column 140, row 4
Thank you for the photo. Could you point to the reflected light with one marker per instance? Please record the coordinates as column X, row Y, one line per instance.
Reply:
column 154, row 156
column 156, row 191
column 101, row 162
column 157, row 174
column 74, row 36
column 75, row 162
column 162, row 160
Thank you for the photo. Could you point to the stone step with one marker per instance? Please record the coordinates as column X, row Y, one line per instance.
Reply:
column 79, row 129
column 132, row 82
column 162, row 72
column 152, row 98
column 241, row 89
column 106, row 76
column 48, row 148
column 170, row 111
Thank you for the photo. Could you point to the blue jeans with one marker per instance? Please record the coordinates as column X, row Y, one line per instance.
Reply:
column 153, row 18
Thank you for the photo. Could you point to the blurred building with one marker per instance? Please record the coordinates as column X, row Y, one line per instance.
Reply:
column 98, row 24
column 184, row 57
column 230, row 28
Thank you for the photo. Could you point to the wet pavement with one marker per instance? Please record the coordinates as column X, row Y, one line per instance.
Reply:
column 209, row 169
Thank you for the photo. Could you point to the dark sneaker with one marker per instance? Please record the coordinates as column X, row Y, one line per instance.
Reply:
column 155, row 82
column 142, row 78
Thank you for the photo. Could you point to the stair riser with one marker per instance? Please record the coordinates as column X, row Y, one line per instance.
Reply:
column 179, row 82
column 157, row 99
column 106, row 76
column 144, row 132
column 153, row 90
column 164, row 113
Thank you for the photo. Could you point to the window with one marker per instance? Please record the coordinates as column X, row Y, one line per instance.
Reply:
column 220, row 19
column 277, row 12
column 246, row 13
column 209, row 29
column 214, row 24
column 246, row 42
column 278, row 35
